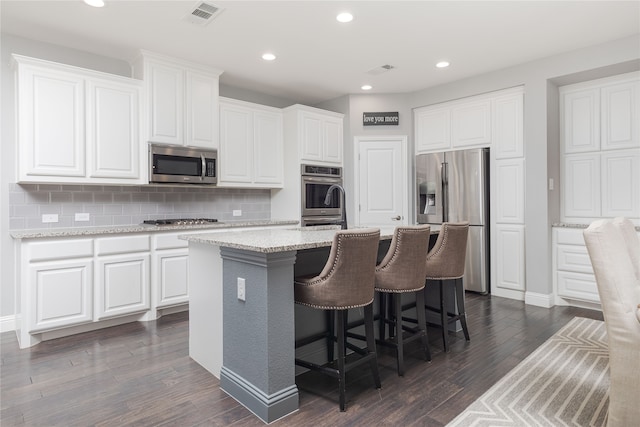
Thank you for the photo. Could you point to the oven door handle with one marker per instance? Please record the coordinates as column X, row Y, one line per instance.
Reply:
column 322, row 180
column 204, row 166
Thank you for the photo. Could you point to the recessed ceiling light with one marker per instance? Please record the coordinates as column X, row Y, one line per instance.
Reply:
column 95, row 3
column 442, row 64
column 366, row 87
column 268, row 56
column 344, row 17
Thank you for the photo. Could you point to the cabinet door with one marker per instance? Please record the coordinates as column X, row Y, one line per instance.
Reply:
column 620, row 116
column 510, row 257
column 311, row 137
column 581, row 185
column 113, row 138
column 433, row 129
column 621, row 183
column 171, row 273
column 201, row 103
column 122, row 285
column 166, row 103
column 508, row 130
column 236, row 144
column 51, row 124
column 268, row 153
column 61, row 293
column 471, row 124
column 578, row 286
column 510, row 189
column 332, row 140
column 580, row 121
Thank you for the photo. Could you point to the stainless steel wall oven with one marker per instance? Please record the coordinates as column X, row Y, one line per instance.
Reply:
column 316, row 181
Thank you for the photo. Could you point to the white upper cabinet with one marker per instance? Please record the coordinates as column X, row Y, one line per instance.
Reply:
column 76, row 125
column 580, row 120
column 491, row 120
column 182, row 101
column 471, row 124
column 508, row 127
column 433, row 129
column 319, row 134
column 620, row 116
column 600, row 121
column 251, row 145
column 113, row 132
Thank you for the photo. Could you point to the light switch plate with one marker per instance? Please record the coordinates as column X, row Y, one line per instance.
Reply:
column 241, row 289
column 237, row 212
column 83, row 216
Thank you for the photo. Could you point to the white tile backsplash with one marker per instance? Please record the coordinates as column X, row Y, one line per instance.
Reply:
column 129, row 205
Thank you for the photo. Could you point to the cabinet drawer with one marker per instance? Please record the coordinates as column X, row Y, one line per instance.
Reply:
column 122, row 244
column 75, row 248
column 574, row 258
column 578, row 286
column 169, row 241
column 570, row 236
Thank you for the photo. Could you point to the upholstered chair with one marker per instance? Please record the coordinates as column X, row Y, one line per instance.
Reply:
column 614, row 250
column 346, row 281
column 445, row 263
column 401, row 271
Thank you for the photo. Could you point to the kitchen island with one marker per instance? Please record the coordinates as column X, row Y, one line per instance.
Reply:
column 244, row 281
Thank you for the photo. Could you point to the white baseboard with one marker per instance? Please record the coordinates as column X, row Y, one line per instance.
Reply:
column 8, row 323
column 507, row 293
column 539, row 300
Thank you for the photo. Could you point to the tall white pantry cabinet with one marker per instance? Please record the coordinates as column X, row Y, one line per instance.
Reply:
column 492, row 120
column 600, row 170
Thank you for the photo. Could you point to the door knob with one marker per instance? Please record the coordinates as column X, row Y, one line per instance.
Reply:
column 396, row 218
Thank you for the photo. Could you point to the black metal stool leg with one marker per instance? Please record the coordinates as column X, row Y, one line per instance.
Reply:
column 444, row 318
column 371, row 343
column 341, row 359
column 397, row 309
column 461, row 311
column 422, row 323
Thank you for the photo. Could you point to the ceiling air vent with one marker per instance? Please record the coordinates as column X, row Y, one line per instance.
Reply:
column 381, row 69
column 203, row 13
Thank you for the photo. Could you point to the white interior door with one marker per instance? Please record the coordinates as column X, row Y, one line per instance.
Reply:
column 381, row 181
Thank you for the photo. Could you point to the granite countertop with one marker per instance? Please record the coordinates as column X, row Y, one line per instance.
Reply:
column 142, row 228
column 276, row 240
column 577, row 226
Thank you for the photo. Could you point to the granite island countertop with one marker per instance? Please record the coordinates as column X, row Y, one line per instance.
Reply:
column 141, row 228
column 277, row 240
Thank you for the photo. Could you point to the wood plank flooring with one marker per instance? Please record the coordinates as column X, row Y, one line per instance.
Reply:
column 140, row 374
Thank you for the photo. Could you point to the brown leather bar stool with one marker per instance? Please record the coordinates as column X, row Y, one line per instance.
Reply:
column 445, row 263
column 347, row 281
column 402, row 270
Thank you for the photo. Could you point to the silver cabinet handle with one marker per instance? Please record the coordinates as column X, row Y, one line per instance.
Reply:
column 396, row 218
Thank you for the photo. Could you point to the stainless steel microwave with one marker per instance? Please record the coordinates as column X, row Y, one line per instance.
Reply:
column 182, row 165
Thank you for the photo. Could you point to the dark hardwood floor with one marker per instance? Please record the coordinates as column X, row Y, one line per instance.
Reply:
column 140, row 374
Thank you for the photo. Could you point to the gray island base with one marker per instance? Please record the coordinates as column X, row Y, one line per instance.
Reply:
column 258, row 333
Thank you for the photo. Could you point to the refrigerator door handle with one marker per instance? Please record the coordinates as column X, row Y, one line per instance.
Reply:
column 445, row 192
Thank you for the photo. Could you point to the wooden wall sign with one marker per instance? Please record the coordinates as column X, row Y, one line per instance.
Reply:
column 381, row 119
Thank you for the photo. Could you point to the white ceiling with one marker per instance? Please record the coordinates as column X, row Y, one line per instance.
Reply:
column 319, row 58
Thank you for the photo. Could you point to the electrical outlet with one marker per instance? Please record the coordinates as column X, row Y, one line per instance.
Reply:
column 49, row 218
column 83, row 217
column 237, row 212
column 241, row 289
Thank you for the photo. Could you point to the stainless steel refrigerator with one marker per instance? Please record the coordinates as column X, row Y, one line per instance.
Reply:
column 453, row 186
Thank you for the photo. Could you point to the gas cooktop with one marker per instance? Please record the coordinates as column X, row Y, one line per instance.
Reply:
column 180, row 221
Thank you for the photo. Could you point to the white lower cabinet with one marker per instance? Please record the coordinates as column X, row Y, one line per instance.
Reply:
column 510, row 265
column 169, row 265
column 573, row 274
column 62, row 293
column 122, row 275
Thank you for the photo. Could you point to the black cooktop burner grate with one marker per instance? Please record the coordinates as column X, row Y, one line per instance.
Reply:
column 180, row 221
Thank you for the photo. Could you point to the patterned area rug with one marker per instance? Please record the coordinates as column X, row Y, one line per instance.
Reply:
column 565, row 382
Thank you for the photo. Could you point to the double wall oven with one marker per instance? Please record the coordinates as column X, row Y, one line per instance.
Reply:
column 316, row 181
